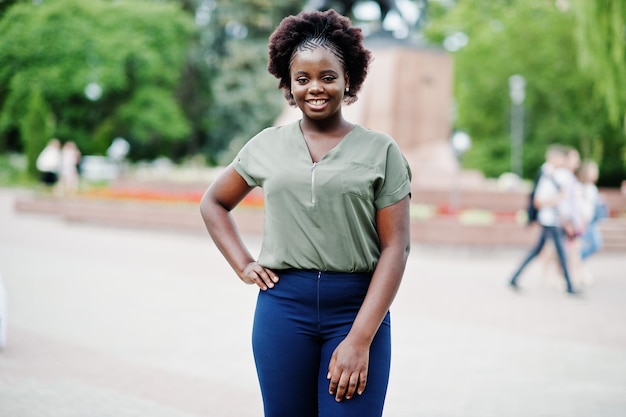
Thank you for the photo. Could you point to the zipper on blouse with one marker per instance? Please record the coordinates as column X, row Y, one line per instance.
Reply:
column 319, row 277
column 313, row 182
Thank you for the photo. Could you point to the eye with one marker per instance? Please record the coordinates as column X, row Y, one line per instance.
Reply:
column 329, row 78
column 301, row 80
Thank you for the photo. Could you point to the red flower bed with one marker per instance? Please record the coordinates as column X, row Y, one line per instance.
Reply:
column 251, row 200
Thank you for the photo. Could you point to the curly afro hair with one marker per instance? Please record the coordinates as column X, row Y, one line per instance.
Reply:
column 308, row 30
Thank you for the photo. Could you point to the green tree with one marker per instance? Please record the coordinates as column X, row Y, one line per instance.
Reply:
column 601, row 30
column 601, row 36
column 36, row 127
column 134, row 51
column 5, row 4
column 243, row 96
column 535, row 39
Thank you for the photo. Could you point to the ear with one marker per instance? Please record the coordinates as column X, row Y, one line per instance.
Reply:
column 347, row 77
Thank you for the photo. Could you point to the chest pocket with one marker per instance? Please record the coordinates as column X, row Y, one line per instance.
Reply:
column 358, row 180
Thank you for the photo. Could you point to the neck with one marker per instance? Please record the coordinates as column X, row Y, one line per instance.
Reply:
column 331, row 124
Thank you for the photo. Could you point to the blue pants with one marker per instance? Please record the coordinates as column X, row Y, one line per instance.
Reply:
column 592, row 241
column 558, row 237
column 297, row 326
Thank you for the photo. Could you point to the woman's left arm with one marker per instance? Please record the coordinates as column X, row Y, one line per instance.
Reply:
column 348, row 367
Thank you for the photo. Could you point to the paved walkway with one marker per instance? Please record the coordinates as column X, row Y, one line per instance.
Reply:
column 115, row 322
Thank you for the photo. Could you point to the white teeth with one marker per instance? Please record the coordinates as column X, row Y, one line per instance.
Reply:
column 317, row 102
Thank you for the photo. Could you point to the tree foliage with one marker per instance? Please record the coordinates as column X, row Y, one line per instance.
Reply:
column 134, row 51
column 36, row 127
column 245, row 98
column 5, row 4
column 601, row 36
column 169, row 86
column 535, row 39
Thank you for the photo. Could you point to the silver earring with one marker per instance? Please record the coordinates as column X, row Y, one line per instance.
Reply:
column 347, row 89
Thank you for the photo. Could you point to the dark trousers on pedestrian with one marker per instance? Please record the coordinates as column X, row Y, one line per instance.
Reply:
column 557, row 235
column 297, row 326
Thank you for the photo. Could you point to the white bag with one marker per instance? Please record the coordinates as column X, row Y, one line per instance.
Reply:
column 49, row 160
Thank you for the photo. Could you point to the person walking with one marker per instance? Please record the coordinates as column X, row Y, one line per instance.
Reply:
column 49, row 163
column 70, row 159
column 336, row 230
column 570, row 218
column 549, row 195
column 570, row 206
column 594, row 210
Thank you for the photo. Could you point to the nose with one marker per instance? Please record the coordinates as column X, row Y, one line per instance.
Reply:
column 316, row 87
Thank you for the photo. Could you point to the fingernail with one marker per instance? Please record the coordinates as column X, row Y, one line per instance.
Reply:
column 275, row 279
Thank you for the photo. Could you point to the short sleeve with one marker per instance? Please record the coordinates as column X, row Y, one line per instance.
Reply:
column 243, row 163
column 396, row 183
column 546, row 188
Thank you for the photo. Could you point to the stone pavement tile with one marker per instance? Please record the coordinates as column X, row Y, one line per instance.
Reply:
column 40, row 376
column 452, row 369
column 64, row 397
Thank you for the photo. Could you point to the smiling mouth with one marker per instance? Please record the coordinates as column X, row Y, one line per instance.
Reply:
column 317, row 102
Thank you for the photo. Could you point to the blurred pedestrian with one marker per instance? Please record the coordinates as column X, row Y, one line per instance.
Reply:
column 49, row 163
column 571, row 219
column 570, row 208
column 594, row 210
column 548, row 197
column 117, row 152
column 336, row 232
column 69, row 178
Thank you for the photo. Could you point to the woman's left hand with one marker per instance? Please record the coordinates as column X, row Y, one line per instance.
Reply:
column 348, row 368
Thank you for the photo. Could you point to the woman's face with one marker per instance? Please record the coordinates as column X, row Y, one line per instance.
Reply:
column 318, row 83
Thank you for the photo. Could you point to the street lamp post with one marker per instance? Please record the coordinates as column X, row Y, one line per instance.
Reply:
column 517, row 91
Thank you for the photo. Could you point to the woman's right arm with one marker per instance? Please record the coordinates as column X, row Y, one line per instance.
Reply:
column 217, row 202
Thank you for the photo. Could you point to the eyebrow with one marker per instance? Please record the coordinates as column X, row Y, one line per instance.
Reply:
column 326, row 71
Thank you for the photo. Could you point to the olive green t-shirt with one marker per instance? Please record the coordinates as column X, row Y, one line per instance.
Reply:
column 322, row 216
